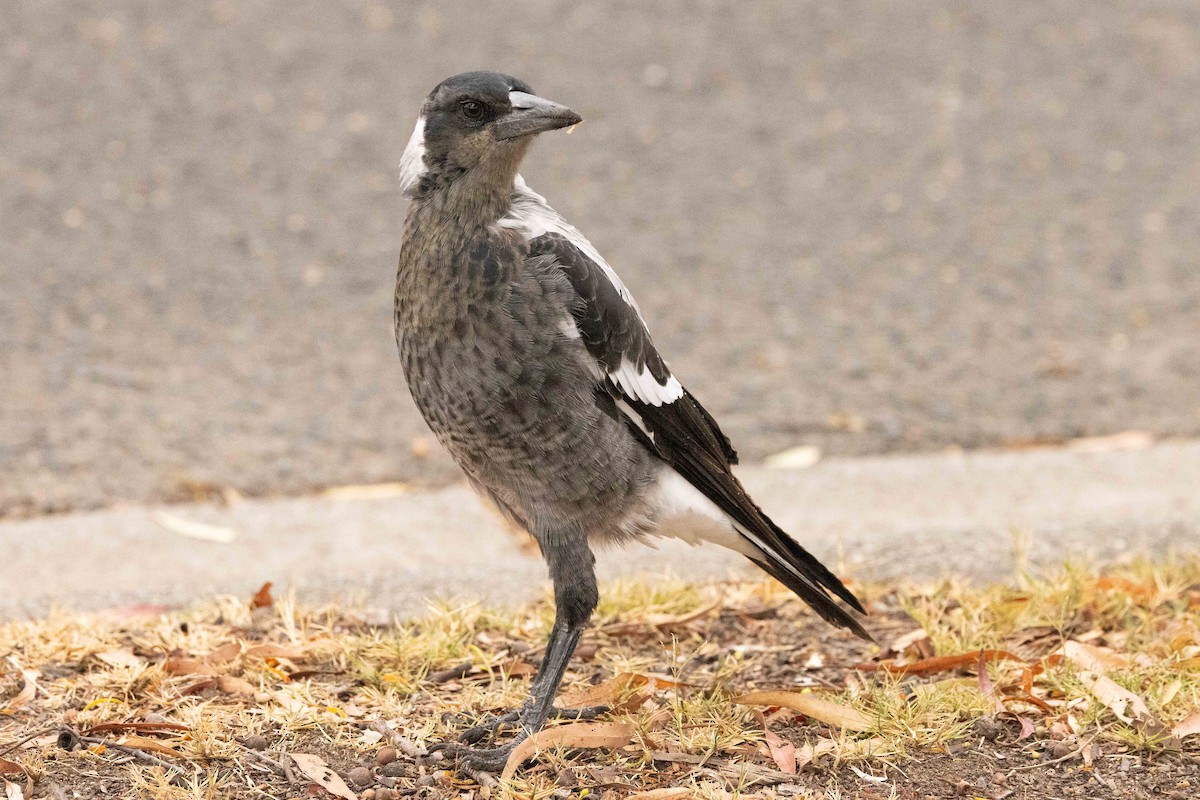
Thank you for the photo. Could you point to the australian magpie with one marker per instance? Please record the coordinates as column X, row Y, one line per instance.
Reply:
column 533, row 365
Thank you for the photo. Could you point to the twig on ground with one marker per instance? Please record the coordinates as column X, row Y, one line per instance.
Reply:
column 286, row 762
column 1078, row 751
column 30, row 737
column 141, row 755
column 399, row 741
column 278, row 766
column 451, row 674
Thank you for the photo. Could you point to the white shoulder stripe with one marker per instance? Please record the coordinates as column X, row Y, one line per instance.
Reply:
column 412, row 162
column 533, row 216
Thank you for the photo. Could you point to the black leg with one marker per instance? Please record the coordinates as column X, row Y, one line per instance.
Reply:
column 572, row 570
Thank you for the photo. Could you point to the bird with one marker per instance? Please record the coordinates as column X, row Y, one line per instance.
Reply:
column 533, row 366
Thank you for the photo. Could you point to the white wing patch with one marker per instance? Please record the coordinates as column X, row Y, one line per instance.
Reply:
column 533, row 216
column 641, row 385
column 412, row 162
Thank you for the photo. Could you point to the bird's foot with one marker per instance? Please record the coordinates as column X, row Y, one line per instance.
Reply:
column 474, row 760
column 512, row 719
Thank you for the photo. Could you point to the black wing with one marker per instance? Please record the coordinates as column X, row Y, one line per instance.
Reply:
column 668, row 420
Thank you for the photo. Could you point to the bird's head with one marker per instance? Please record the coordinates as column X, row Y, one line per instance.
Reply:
column 479, row 124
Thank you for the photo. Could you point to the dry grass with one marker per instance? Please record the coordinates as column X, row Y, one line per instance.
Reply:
column 681, row 652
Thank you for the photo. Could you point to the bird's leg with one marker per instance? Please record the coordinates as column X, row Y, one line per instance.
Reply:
column 572, row 569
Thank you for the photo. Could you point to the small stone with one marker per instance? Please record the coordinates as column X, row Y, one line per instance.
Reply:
column 988, row 728
column 386, row 755
column 361, row 776
column 1058, row 749
column 386, row 794
column 256, row 742
column 369, row 794
column 396, row 769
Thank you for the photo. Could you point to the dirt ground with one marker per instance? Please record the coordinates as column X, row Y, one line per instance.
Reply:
column 861, row 225
column 1088, row 689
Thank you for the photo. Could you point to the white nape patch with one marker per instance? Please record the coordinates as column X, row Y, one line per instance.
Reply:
column 412, row 162
column 681, row 511
column 641, row 385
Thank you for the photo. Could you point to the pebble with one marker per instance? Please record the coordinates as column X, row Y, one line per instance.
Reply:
column 1058, row 749
column 256, row 742
column 386, row 755
column 361, row 776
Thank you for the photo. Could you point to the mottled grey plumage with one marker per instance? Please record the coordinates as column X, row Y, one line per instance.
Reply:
column 534, row 368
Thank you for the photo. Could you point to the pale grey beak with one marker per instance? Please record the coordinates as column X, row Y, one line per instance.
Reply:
column 532, row 114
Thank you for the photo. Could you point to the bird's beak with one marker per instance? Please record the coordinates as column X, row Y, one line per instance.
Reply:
column 532, row 114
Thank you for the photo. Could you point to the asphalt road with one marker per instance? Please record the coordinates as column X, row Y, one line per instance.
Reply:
column 869, row 226
column 981, row 516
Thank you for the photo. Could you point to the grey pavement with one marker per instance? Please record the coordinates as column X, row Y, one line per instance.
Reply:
column 913, row 517
column 870, row 226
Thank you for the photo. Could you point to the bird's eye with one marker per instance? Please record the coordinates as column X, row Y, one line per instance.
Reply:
column 472, row 109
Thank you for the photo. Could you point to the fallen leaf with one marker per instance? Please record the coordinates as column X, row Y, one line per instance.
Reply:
column 28, row 691
column 930, row 666
column 150, row 745
column 232, row 685
column 323, row 775
column 1125, row 704
column 195, row 530
column 783, row 752
column 366, row 491
column 867, row 776
column 985, row 684
column 577, row 734
column 657, row 622
column 670, row 793
column 290, row 652
column 1092, row 658
column 120, row 658
column 800, row 457
column 13, row 792
column 178, row 665
column 626, row 691
column 1170, row 692
column 1189, row 727
column 918, row 638
column 144, row 727
column 821, row 709
column 262, row 598
column 10, row 767
column 224, row 654
column 199, row 686
column 806, row 754
column 1126, row 440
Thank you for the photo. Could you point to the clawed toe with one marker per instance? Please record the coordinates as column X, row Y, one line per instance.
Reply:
column 477, row 759
column 490, row 728
column 472, row 760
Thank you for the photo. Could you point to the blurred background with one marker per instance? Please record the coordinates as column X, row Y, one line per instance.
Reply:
column 869, row 227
